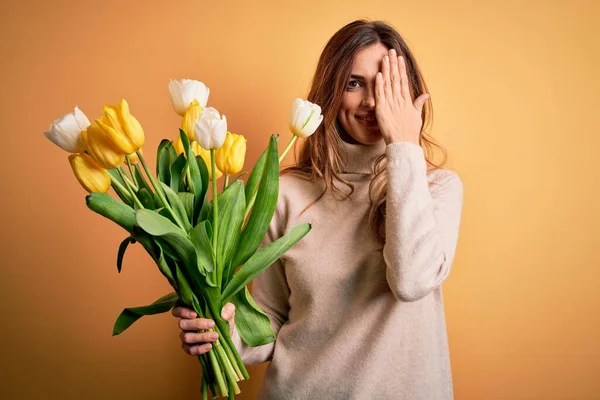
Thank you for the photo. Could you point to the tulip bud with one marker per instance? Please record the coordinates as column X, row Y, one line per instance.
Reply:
column 189, row 119
column 90, row 175
column 199, row 151
column 101, row 148
column 304, row 118
column 185, row 91
column 230, row 157
column 133, row 157
column 210, row 129
column 205, row 154
column 65, row 132
column 122, row 128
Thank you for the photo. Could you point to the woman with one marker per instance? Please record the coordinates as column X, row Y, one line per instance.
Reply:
column 357, row 304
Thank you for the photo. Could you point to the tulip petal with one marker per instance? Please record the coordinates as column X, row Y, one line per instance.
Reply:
column 177, row 97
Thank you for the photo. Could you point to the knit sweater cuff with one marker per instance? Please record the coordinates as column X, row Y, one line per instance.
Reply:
column 398, row 151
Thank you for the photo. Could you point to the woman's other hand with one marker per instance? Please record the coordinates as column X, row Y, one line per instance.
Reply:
column 197, row 334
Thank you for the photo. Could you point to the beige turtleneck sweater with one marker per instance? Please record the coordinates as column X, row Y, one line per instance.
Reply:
column 354, row 321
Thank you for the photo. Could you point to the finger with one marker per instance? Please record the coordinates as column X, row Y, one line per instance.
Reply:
column 228, row 311
column 195, row 324
column 196, row 350
column 202, row 337
column 183, row 312
column 379, row 94
column 420, row 101
column 404, row 79
column 387, row 88
column 395, row 74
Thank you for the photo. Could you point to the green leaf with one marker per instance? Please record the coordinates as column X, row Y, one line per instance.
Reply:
column 177, row 207
column 132, row 314
column 140, row 179
column 105, row 205
column 121, row 253
column 146, row 198
column 163, row 161
column 251, row 321
column 256, row 175
column 187, row 199
column 196, row 183
column 161, row 262
column 263, row 258
column 232, row 206
column 264, row 208
column 206, row 210
column 123, row 195
column 177, row 171
column 155, row 224
column 201, row 236
column 176, row 244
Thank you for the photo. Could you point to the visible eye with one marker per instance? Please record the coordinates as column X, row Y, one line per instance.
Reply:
column 351, row 86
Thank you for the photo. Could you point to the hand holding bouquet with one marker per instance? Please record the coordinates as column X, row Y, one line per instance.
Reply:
column 208, row 250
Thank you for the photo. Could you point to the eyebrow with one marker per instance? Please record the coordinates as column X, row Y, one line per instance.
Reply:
column 353, row 76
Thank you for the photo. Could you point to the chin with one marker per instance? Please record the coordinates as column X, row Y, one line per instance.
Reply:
column 369, row 139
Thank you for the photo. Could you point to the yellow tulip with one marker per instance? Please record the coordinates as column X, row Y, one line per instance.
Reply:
column 199, row 151
column 122, row 128
column 133, row 157
column 101, row 148
column 189, row 119
column 230, row 157
column 90, row 175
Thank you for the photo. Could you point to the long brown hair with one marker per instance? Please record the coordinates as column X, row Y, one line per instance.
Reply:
column 322, row 154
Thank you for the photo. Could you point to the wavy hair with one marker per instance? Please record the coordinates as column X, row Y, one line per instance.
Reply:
column 322, row 154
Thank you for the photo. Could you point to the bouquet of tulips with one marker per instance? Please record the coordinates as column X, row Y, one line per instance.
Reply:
column 207, row 250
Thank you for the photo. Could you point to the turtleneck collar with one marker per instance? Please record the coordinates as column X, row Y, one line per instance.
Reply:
column 361, row 158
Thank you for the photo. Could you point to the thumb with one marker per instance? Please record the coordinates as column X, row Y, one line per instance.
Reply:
column 228, row 312
column 420, row 101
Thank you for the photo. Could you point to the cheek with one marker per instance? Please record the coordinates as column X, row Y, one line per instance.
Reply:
column 350, row 103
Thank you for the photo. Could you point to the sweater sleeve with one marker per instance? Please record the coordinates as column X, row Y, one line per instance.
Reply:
column 421, row 224
column 271, row 292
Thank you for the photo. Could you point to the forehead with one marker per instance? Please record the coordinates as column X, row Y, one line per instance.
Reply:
column 369, row 59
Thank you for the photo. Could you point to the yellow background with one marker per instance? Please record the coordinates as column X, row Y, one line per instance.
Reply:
column 515, row 91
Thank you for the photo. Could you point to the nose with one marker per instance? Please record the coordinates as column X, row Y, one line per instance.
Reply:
column 369, row 99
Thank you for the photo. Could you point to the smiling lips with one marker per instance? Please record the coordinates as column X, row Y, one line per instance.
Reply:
column 367, row 119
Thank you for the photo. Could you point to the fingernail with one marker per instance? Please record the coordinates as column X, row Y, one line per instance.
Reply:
column 192, row 315
column 211, row 324
column 214, row 335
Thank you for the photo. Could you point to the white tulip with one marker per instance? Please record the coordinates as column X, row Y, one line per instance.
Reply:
column 185, row 91
column 305, row 118
column 210, row 129
column 65, row 132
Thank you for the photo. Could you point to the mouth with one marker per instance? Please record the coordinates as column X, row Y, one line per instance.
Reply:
column 369, row 120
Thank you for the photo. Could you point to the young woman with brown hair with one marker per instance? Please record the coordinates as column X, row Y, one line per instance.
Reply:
column 357, row 304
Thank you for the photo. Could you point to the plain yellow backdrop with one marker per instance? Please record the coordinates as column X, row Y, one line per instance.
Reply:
column 515, row 92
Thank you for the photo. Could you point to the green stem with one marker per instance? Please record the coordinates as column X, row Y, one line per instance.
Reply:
column 215, row 227
column 131, row 192
column 118, row 184
column 189, row 179
column 127, row 180
column 217, row 370
column 159, row 190
column 137, row 168
column 211, row 313
column 289, row 146
column 131, row 171
column 227, row 367
column 233, row 362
